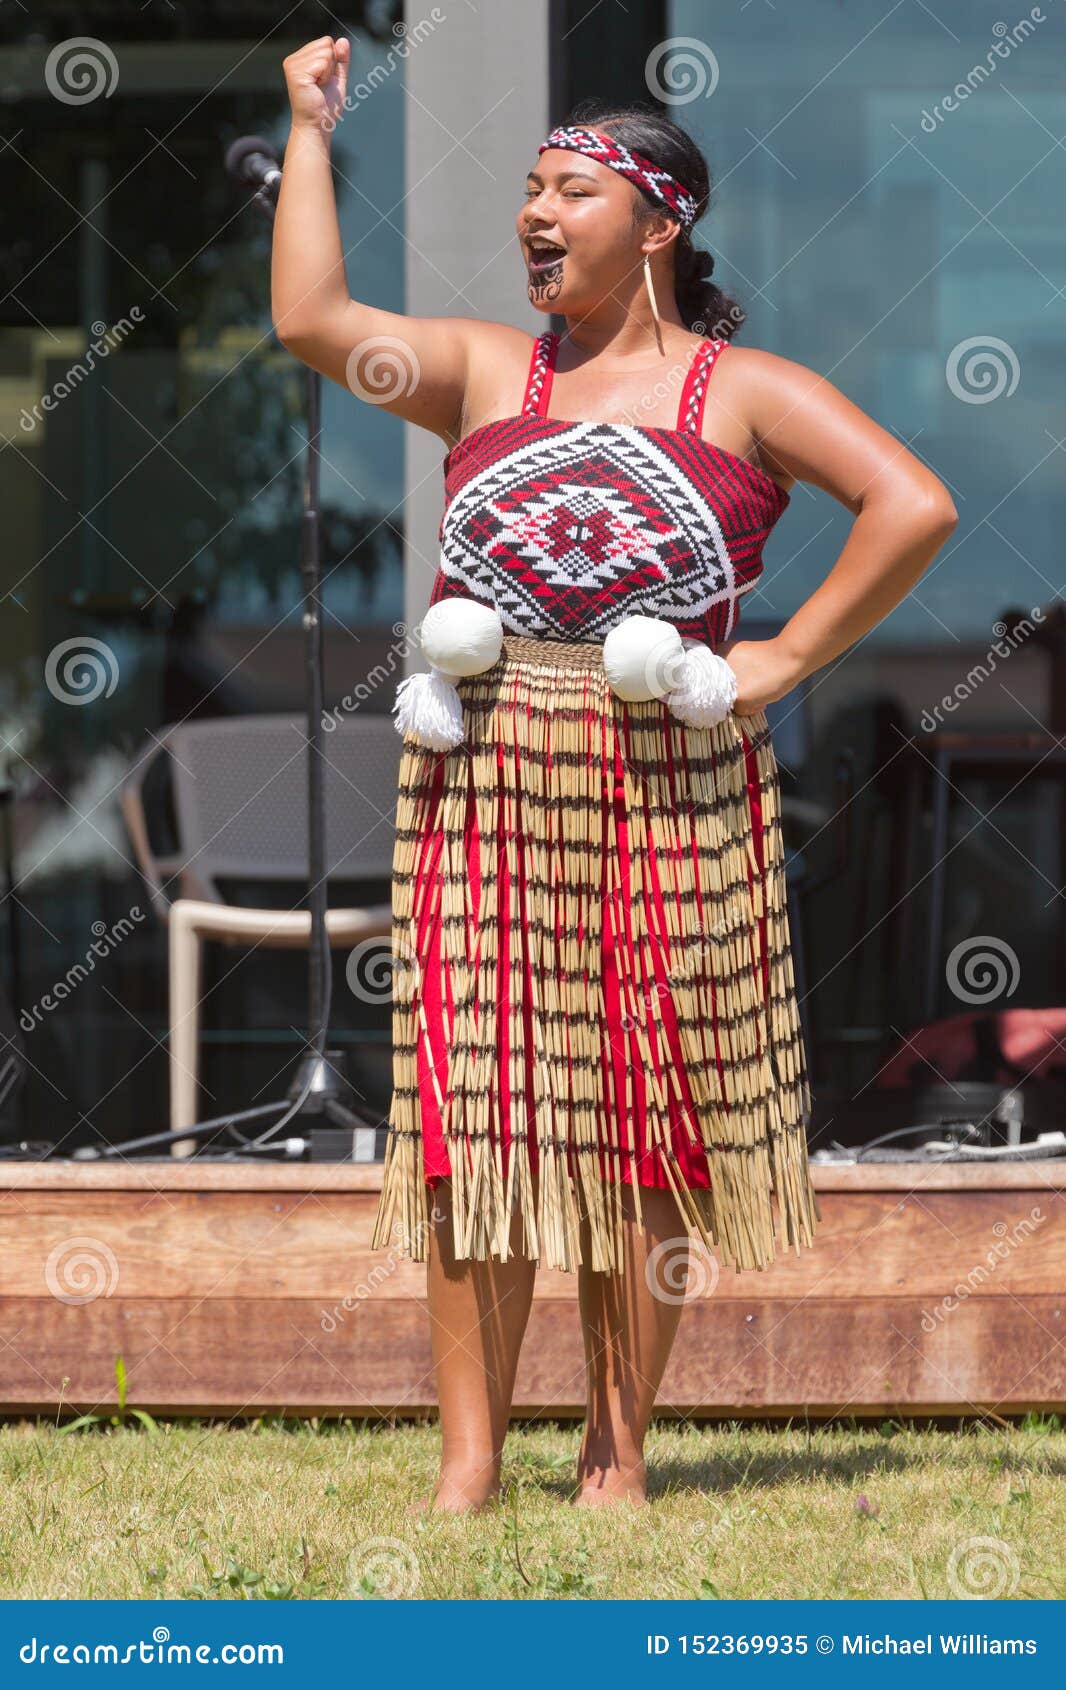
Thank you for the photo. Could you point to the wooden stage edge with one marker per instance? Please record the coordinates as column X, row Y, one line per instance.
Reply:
column 933, row 1290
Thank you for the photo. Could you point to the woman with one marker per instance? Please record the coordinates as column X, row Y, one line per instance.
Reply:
column 597, row 1047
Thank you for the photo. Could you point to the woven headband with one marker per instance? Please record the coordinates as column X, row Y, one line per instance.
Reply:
column 647, row 175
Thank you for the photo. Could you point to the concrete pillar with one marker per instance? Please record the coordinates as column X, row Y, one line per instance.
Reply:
column 477, row 107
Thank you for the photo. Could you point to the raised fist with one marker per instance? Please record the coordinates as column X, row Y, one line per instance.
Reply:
column 316, row 77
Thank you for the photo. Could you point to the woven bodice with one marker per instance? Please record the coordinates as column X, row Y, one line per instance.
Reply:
column 569, row 527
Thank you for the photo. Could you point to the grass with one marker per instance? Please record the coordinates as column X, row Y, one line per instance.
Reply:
column 278, row 1508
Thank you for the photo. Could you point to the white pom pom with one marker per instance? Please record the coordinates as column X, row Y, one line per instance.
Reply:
column 461, row 636
column 429, row 707
column 706, row 689
column 642, row 658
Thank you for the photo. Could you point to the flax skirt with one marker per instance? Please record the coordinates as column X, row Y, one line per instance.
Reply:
column 592, row 982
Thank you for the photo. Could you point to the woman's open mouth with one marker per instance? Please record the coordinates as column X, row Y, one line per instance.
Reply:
column 543, row 257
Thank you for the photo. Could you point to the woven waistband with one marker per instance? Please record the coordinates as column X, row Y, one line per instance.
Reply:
column 562, row 654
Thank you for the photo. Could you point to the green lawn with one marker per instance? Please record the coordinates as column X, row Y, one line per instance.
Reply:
column 306, row 1509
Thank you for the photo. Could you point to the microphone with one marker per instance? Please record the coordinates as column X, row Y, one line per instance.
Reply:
column 251, row 159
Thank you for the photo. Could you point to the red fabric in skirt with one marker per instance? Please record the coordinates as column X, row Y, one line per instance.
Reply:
column 623, row 1055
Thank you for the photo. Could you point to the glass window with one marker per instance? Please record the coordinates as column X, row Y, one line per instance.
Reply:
column 152, row 485
column 884, row 185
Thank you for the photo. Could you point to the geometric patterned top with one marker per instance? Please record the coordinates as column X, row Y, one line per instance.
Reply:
column 568, row 527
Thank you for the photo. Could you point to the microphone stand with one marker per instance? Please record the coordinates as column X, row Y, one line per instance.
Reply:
column 320, row 1090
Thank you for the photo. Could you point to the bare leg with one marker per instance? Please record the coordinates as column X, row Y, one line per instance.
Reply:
column 478, row 1313
column 628, row 1332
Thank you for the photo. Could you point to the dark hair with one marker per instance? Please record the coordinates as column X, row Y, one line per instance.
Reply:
column 704, row 306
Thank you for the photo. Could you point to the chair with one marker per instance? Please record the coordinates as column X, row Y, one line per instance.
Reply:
column 238, row 800
column 954, row 756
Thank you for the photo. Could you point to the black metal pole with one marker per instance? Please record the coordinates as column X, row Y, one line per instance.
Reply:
column 318, row 949
column 320, row 1087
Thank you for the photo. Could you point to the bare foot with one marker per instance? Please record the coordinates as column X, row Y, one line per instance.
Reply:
column 611, row 1482
column 460, row 1490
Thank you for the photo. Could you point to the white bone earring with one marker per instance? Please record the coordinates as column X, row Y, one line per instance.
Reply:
column 652, row 301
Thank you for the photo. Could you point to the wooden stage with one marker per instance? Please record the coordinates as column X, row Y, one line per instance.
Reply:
column 243, row 1289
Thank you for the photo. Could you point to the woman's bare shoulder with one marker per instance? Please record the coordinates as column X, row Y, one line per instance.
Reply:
column 807, row 429
column 749, row 369
column 748, row 388
column 497, row 364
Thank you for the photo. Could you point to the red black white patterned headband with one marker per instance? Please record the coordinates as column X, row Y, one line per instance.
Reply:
column 646, row 174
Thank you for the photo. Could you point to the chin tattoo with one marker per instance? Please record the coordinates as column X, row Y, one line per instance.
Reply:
column 547, row 286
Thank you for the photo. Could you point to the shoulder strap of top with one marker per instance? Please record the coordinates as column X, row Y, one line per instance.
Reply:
column 694, row 390
column 539, row 379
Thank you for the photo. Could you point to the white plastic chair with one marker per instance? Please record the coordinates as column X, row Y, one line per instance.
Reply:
column 238, row 789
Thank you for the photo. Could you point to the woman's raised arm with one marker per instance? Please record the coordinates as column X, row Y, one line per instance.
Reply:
column 415, row 367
